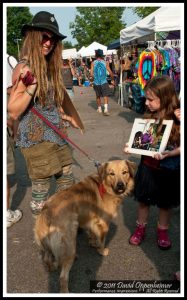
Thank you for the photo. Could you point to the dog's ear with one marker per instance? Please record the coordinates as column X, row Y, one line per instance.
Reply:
column 102, row 170
column 132, row 167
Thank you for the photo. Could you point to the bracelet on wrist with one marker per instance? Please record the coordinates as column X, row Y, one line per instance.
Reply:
column 29, row 93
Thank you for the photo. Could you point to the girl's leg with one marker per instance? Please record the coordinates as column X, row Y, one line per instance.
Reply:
column 143, row 213
column 164, row 218
column 139, row 234
column 162, row 231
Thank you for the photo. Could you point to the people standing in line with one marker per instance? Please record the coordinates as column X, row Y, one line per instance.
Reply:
column 98, row 72
column 39, row 84
column 157, row 180
column 13, row 216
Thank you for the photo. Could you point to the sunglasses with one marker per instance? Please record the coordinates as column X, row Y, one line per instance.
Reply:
column 46, row 38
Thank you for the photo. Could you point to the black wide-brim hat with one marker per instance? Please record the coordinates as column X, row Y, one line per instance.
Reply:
column 44, row 20
column 99, row 52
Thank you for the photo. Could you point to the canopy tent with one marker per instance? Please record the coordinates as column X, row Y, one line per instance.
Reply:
column 114, row 45
column 163, row 19
column 90, row 50
column 69, row 53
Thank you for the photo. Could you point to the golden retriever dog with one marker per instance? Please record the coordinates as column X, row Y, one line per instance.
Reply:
column 89, row 204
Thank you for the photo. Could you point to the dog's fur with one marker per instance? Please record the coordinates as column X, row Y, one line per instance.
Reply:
column 82, row 205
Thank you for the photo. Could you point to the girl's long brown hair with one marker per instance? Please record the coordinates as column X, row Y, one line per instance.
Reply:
column 162, row 86
column 44, row 68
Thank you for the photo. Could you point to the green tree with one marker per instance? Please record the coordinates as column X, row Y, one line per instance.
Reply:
column 100, row 24
column 16, row 18
column 67, row 45
column 143, row 12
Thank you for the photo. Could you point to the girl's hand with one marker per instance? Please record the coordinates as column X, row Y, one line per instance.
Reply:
column 161, row 156
column 126, row 148
column 177, row 113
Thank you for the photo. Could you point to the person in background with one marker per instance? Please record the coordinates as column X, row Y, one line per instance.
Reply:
column 157, row 181
column 39, row 85
column 126, row 68
column 13, row 216
column 98, row 73
column 67, row 74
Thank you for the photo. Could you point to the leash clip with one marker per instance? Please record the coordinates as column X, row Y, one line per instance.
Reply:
column 97, row 164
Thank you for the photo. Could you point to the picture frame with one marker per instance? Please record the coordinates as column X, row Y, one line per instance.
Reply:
column 143, row 139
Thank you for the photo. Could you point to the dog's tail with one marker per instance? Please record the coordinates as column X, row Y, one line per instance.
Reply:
column 52, row 241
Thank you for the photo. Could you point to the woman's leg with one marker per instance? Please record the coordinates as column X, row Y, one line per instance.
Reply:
column 65, row 179
column 40, row 193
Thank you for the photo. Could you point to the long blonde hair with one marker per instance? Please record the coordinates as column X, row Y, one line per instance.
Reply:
column 45, row 69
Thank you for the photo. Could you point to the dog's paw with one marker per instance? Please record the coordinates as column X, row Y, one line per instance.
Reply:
column 103, row 252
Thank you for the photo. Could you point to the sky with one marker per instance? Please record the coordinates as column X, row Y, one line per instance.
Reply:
column 64, row 15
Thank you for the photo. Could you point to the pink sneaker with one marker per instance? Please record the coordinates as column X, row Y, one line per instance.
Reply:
column 163, row 239
column 138, row 235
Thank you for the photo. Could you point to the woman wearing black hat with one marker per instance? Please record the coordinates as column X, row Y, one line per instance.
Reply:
column 38, row 83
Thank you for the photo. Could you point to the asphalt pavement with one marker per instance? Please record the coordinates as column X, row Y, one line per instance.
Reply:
column 103, row 140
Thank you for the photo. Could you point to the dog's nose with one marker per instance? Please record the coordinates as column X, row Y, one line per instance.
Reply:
column 120, row 185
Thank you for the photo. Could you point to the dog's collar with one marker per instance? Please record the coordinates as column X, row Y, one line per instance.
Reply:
column 102, row 190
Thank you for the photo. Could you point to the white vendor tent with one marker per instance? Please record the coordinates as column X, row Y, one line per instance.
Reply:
column 69, row 53
column 163, row 19
column 90, row 50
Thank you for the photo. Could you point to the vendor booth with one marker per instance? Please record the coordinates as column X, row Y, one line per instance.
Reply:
column 151, row 52
column 90, row 50
column 163, row 19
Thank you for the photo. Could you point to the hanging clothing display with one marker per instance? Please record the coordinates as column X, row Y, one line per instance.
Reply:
column 163, row 60
column 159, row 58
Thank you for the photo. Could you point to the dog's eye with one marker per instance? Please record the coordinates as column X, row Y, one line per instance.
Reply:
column 112, row 174
column 125, row 172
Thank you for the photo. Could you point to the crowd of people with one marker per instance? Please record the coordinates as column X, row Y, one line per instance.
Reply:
column 40, row 82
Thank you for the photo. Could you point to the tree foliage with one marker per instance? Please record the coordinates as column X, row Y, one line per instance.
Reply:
column 67, row 45
column 16, row 18
column 143, row 12
column 100, row 24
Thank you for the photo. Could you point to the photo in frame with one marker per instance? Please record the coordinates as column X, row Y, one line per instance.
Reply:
column 143, row 139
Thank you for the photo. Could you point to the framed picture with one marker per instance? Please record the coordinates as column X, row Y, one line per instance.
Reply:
column 143, row 139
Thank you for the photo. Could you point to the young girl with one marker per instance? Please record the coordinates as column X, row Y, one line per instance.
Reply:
column 157, row 181
column 38, row 83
